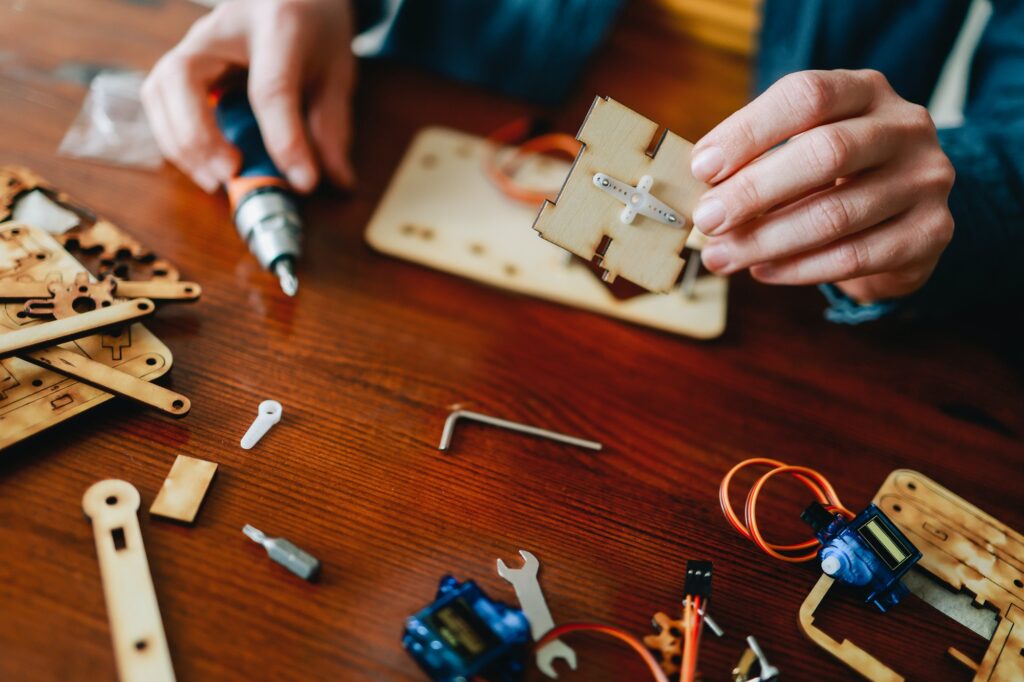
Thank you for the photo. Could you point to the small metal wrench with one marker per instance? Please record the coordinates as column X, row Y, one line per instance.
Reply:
column 531, row 600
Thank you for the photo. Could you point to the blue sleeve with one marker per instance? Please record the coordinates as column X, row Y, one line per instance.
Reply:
column 533, row 49
column 984, row 262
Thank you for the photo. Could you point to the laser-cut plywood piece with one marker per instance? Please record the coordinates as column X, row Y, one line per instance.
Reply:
column 184, row 489
column 441, row 211
column 961, row 546
column 33, row 398
column 103, row 247
column 583, row 218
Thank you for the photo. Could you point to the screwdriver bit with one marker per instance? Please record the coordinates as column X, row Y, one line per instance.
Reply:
column 299, row 562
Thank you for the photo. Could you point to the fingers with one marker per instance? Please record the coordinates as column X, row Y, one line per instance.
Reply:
column 812, row 222
column 174, row 96
column 275, row 92
column 909, row 242
column 796, row 103
column 813, row 159
column 330, row 123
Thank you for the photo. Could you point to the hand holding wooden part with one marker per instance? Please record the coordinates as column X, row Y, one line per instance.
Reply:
column 140, row 646
column 589, row 218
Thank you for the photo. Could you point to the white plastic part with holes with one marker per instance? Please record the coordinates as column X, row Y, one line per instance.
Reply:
column 441, row 211
column 269, row 414
column 638, row 200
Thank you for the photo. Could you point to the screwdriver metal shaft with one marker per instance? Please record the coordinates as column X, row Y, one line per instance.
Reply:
column 299, row 562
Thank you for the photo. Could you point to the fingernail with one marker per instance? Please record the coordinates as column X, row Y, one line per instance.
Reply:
column 707, row 164
column 709, row 215
column 222, row 168
column 301, row 178
column 715, row 256
column 205, row 182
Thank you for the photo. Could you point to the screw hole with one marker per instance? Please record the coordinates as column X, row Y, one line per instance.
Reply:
column 912, row 485
column 112, row 500
column 178, row 404
column 897, row 508
column 83, row 304
column 150, row 361
column 37, row 382
column 105, row 304
column 1017, row 582
column 83, row 289
column 141, row 645
column 40, row 256
column 143, row 306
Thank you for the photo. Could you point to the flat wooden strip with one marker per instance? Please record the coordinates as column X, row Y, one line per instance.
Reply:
column 110, row 379
column 11, row 290
column 68, row 329
column 140, row 645
column 184, row 489
column 158, row 289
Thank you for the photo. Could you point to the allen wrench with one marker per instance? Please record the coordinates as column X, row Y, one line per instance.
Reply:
column 454, row 417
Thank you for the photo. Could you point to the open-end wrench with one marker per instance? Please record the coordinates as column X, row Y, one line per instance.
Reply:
column 531, row 601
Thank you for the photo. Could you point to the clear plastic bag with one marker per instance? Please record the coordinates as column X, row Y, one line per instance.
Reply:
column 112, row 125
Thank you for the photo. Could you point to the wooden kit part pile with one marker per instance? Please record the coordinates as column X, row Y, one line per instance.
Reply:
column 67, row 340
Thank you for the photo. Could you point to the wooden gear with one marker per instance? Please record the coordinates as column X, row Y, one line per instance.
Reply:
column 441, row 211
column 586, row 221
column 668, row 641
column 963, row 547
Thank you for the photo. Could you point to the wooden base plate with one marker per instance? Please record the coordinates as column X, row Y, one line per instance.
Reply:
column 441, row 211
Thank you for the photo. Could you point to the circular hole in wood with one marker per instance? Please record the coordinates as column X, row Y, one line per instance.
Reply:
column 674, row 631
column 105, row 304
column 178, row 404
column 912, row 485
column 1017, row 582
column 83, row 289
column 141, row 645
column 83, row 304
column 150, row 361
column 22, row 314
column 160, row 272
column 15, row 231
column 188, row 290
column 37, row 382
column 112, row 500
column 143, row 306
column 40, row 256
column 897, row 508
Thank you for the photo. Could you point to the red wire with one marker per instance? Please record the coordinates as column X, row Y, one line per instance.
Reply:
column 629, row 639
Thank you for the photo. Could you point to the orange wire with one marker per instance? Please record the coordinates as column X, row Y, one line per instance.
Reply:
column 501, row 174
column 629, row 639
column 819, row 486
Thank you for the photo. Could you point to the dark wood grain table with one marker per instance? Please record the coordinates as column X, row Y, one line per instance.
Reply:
column 367, row 361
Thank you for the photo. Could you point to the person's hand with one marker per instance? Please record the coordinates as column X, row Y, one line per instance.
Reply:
column 301, row 73
column 857, row 196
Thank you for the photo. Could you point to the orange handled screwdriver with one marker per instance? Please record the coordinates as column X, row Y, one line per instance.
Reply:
column 264, row 205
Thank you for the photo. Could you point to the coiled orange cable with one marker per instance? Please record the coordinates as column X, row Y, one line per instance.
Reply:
column 818, row 485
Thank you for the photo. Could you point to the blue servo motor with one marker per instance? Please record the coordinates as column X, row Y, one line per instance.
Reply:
column 464, row 634
column 869, row 553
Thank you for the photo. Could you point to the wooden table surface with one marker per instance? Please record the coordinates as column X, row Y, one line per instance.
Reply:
column 367, row 361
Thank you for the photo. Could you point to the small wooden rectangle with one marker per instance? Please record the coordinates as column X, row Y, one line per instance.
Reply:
column 184, row 489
